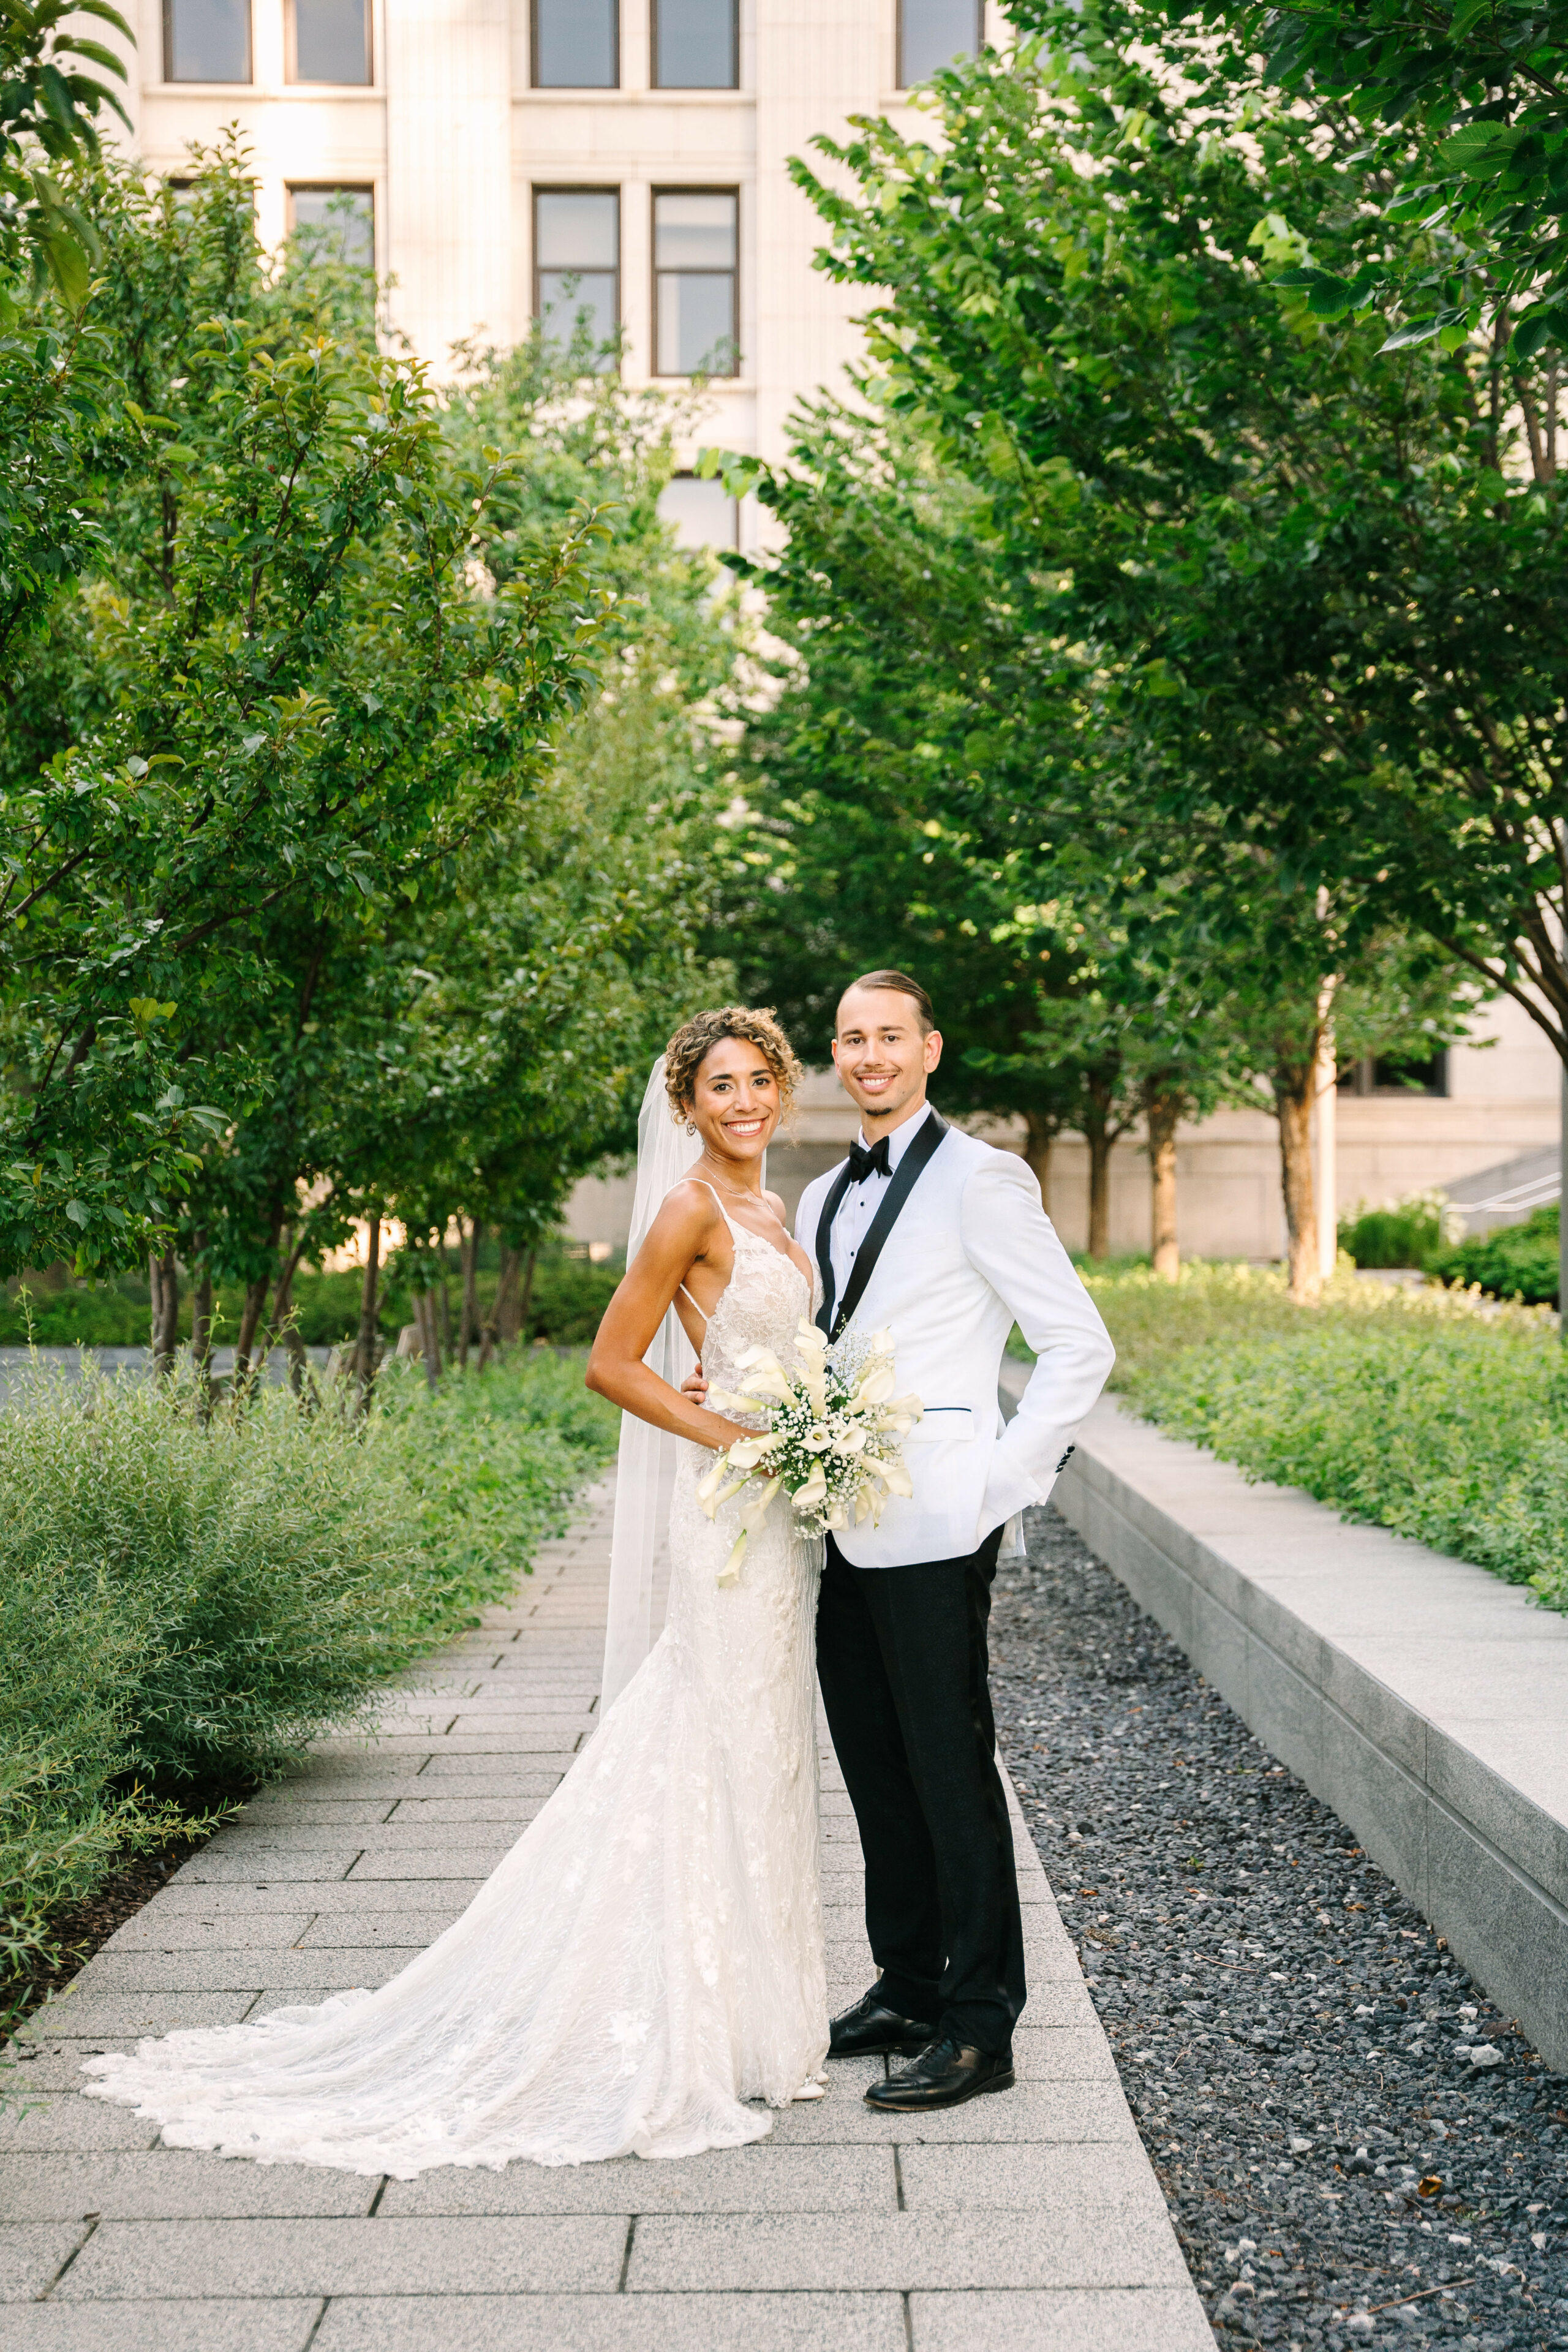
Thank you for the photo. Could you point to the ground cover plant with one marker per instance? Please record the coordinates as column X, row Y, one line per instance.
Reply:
column 1416, row 1410
column 188, row 1598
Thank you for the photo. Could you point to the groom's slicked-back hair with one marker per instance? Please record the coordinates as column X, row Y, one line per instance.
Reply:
column 905, row 986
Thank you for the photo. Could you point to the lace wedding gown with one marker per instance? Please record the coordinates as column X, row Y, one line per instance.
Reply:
column 646, row 1959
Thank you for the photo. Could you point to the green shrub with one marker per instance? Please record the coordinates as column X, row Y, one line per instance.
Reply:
column 1409, row 1234
column 1409, row 1409
column 1510, row 1262
column 185, row 1603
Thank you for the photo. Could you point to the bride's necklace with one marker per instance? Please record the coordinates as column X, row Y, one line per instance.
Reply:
column 737, row 1192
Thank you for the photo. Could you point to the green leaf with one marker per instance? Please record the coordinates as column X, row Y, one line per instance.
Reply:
column 76, row 1213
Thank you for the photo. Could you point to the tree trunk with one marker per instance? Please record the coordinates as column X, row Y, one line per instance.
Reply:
column 365, row 1346
column 163, row 1278
column 525, row 1301
column 1040, row 1134
column 285, row 1332
column 1162, row 1108
column 1293, row 1090
column 468, row 1314
column 505, row 1319
column 201, row 1328
column 442, row 1301
column 250, row 1324
column 425, row 1315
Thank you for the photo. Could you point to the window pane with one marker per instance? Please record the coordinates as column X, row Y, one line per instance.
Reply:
column 332, row 40
column 932, row 33
column 574, row 44
column 577, row 229
column 694, row 44
column 696, row 323
column 206, row 40
column 565, row 295
column 337, row 223
column 700, row 514
column 694, row 232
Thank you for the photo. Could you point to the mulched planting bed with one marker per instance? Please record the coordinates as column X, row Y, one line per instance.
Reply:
column 1356, row 2147
column 80, row 1929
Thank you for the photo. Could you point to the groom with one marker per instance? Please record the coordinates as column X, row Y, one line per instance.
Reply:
column 926, row 1233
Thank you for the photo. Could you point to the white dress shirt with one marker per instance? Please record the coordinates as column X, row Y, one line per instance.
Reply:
column 861, row 1202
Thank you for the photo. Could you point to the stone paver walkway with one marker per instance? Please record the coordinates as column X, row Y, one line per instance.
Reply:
column 1027, row 2220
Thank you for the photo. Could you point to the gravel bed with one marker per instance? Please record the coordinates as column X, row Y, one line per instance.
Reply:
column 1356, row 2147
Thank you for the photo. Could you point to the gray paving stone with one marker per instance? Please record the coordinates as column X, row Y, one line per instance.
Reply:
column 132, row 2012
column 1071, row 2054
column 236, row 1972
column 1043, row 2112
column 477, row 1840
column 305, row 1811
column 430, row 1861
column 616, row 2323
column 215, row 1867
column 757, row 2180
column 154, row 1929
column 901, row 2251
column 1147, row 2319
column 999, row 2179
column 206, row 2326
column 30, row 2254
column 171, row 2185
column 365, row 1930
column 42, row 2121
column 49, row 2066
column 430, row 1812
column 336, row 1895
column 504, row 2255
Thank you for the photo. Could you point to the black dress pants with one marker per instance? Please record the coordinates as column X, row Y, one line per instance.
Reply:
column 903, row 1659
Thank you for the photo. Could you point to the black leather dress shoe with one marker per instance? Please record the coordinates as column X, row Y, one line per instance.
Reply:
column 946, row 2074
column 872, row 2029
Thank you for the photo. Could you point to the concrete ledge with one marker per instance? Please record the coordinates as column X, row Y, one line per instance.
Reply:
column 1422, row 1698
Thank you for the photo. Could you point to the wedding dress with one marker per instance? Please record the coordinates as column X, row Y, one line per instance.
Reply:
column 648, row 1957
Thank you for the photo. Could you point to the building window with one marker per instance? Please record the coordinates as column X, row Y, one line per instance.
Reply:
column 206, row 40
column 699, row 513
column 334, row 223
column 696, row 43
column 576, row 45
column 694, row 241
column 932, row 33
column 328, row 40
column 1380, row 1076
column 577, row 268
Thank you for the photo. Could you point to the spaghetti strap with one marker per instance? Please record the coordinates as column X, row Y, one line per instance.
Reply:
column 690, row 1301
column 723, row 1212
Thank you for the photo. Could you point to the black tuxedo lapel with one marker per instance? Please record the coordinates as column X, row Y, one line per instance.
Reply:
column 824, row 1246
column 905, row 1178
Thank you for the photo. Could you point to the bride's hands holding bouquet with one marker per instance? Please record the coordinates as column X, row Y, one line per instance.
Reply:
column 832, row 1443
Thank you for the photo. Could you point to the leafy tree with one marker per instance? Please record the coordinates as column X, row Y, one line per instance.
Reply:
column 1468, row 112
column 306, row 700
column 49, row 110
column 1309, row 597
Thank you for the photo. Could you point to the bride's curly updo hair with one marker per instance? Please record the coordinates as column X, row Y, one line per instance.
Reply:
column 695, row 1040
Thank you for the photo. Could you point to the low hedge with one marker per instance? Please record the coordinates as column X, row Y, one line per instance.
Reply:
column 185, row 1604
column 1510, row 1262
column 568, row 1296
column 1412, row 1409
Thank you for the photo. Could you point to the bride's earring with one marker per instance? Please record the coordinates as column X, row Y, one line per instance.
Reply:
column 691, row 1126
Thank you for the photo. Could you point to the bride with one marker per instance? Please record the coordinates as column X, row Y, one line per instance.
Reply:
column 648, row 1957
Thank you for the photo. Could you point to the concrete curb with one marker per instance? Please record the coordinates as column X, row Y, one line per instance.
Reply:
column 1421, row 1697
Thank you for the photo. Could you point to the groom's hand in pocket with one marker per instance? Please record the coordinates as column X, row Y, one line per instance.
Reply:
column 695, row 1386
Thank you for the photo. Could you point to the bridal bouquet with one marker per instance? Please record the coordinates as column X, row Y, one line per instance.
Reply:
column 833, row 1441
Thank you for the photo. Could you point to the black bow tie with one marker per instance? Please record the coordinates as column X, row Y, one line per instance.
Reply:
column 864, row 1163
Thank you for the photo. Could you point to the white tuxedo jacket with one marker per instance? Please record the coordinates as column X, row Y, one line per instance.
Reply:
column 971, row 1253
